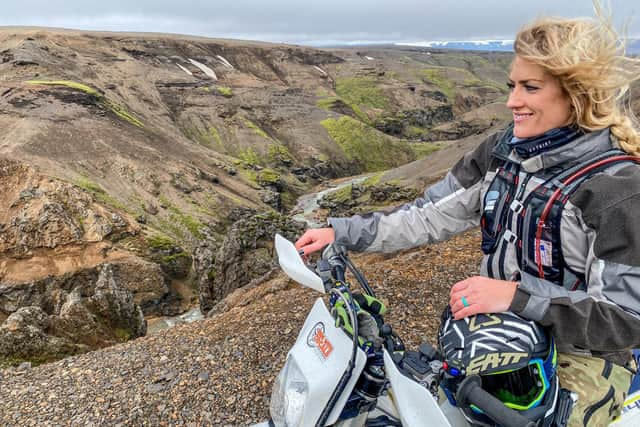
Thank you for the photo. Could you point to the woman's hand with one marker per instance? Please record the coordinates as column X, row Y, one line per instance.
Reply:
column 482, row 295
column 315, row 239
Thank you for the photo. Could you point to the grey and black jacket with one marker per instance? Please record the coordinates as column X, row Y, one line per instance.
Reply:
column 599, row 229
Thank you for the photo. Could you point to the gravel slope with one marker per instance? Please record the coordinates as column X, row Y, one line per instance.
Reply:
column 219, row 371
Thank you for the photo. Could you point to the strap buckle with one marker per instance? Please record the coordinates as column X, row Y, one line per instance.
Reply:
column 510, row 236
column 516, row 206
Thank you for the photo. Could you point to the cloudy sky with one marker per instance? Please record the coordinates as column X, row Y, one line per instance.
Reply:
column 308, row 21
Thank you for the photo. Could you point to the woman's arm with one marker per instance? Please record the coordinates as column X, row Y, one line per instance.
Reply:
column 449, row 207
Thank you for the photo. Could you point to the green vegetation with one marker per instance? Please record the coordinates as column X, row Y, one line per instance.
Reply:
column 227, row 92
column 279, row 153
column 204, row 134
column 99, row 193
column 115, row 108
column 341, row 195
column 173, row 257
column 216, row 136
column 373, row 150
column 256, row 129
column 123, row 335
column 423, row 149
column 249, row 157
column 268, row 177
column 8, row 361
column 372, row 180
column 178, row 218
column 73, row 85
column 358, row 93
column 361, row 91
column 89, row 185
column 437, row 77
column 415, row 132
column 327, row 103
column 160, row 242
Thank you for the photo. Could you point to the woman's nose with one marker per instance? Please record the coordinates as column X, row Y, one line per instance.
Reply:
column 514, row 100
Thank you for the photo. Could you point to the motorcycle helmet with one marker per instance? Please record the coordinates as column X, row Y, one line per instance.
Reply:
column 515, row 358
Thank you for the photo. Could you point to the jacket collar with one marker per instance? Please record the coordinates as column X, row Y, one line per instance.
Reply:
column 581, row 149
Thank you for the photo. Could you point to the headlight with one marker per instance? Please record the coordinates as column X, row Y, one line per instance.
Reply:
column 289, row 395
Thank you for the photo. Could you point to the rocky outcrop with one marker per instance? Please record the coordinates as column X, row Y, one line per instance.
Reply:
column 460, row 129
column 66, row 285
column 359, row 198
column 57, row 316
column 399, row 124
column 245, row 253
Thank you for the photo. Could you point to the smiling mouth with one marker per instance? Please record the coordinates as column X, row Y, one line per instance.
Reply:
column 518, row 117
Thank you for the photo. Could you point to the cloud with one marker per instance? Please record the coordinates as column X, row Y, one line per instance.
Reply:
column 302, row 22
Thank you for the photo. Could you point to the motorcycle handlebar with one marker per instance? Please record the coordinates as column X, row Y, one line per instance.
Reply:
column 470, row 392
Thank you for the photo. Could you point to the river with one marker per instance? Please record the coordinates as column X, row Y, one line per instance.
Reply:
column 306, row 208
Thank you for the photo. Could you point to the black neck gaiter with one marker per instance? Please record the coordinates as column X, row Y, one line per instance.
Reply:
column 554, row 138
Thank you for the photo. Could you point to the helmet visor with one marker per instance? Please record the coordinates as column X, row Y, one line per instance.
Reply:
column 520, row 389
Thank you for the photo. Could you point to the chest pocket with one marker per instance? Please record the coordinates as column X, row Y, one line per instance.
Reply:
column 544, row 253
column 496, row 206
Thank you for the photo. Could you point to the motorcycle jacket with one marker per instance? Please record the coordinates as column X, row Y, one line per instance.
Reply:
column 580, row 277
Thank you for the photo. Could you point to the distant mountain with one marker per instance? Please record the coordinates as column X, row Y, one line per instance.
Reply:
column 490, row 45
column 633, row 45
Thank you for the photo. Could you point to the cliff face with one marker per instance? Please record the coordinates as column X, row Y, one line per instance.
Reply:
column 146, row 163
column 64, row 287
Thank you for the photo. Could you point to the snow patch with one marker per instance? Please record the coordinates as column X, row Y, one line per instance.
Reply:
column 491, row 44
column 185, row 70
column 324, row 73
column 224, row 61
column 369, row 58
column 206, row 70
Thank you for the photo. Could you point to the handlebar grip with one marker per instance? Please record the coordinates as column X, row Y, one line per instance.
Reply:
column 470, row 391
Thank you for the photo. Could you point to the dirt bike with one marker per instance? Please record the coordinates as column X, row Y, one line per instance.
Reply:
column 331, row 379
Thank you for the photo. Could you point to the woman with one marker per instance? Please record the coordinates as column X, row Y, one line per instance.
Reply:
column 576, row 271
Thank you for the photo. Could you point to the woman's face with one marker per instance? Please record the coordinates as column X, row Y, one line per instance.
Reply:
column 537, row 101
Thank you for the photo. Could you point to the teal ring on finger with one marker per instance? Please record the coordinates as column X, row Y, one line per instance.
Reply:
column 464, row 301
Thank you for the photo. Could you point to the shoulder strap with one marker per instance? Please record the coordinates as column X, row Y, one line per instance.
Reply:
column 566, row 182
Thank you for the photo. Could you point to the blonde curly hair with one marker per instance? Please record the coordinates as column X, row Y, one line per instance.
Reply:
column 587, row 56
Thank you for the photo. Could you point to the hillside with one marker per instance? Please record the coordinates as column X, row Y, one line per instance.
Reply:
column 147, row 173
column 143, row 174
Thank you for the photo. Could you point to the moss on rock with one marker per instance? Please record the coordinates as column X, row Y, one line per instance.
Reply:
column 437, row 77
column 227, row 92
column 279, row 154
column 257, row 129
column 361, row 91
column 114, row 107
column 372, row 150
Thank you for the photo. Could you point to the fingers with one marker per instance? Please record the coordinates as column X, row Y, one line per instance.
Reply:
column 466, row 312
column 461, row 285
column 313, row 247
column 481, row 295
column 304, row 240
column 315, row 239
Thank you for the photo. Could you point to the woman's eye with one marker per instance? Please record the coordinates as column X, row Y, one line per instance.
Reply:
column 511, row 85
column 530, row 88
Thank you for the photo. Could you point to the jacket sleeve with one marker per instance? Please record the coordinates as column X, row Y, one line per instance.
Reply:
column 606, row 316
column 448, row 207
